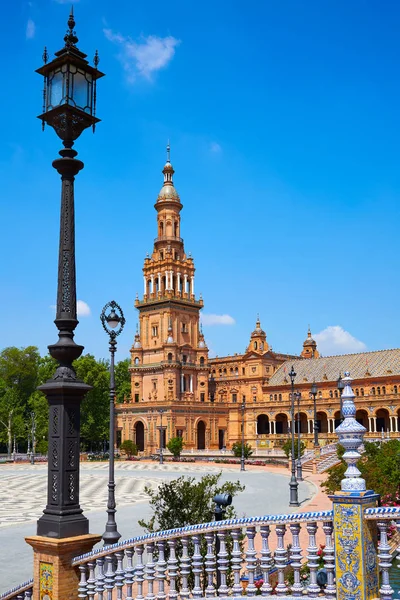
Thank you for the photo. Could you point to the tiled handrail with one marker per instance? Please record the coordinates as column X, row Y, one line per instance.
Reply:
column 20, row 592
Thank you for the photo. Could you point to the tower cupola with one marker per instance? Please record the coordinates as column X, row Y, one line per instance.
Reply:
column 258, row 339
column 310, row 347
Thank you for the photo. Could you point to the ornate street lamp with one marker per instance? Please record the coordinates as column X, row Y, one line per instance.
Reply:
column 33, row 432
column 313, row 393
column 161, row 411
column 69, row 102
column 299, row 467
column 340, row 387
column 113, row 324
column 242, row 461
column 293, row 484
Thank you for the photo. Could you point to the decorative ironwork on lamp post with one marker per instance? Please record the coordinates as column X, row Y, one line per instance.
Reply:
column 340, row 387
column 242, row 459
column 299, row 467
column 113, row 324
column 69, row 104
column 293, row 483
column 161, row 411
column 313, row 393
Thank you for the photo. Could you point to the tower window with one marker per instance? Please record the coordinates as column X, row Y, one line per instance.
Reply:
column 184, row 328
column 170, row 356
column 202, row 396
column 202, row 361
column 255, row 345
column 243, row 371
column 184, row 359
column 161, row 255
column 154, row 330
column 234, row 397
column 136, row 397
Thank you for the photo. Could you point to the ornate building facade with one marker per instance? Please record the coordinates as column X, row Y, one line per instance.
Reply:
column 178, row 391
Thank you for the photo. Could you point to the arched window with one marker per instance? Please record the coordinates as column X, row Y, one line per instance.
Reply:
column 378, row 391
column 320, row 394
column 271, row 397
column 261, row 345
column 280, row 397
column 395, row 389
column 383, row 391
column 161, row 228
column 231, row 370
column 175, row 228
column 373, row 391
column 213, row 371
column 255, row 345
column 236, row 371
column 137, row 361
column 362, row 391
column 170, row 356
column 201, row 361
column 275, row 397
column 336, row 395
column 224, row 371
column 330, row 394
column 220, row 371
column 357, row 392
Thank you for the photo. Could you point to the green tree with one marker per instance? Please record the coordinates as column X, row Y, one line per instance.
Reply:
column 237, row 450
column 11, row 416
column 175, row 446
column 122, row 380
column 287, row 448
column 95, row 406
column 185, row 501
column 19, row 370
column 129, row 448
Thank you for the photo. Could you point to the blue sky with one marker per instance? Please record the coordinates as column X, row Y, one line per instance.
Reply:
column 283, row 118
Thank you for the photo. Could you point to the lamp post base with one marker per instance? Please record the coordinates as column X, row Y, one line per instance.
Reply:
column 294, row 495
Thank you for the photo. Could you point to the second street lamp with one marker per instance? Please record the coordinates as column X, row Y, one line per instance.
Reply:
column 161, row 411
column 113, row 323
column 299, row 467
column 242, row 460
column 293, row 484
column 313, row 393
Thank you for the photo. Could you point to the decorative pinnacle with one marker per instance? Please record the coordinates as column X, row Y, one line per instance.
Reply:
column 96, row 59
column 45, row 55
column 168, row 152
column 351, row 435
column 70, row 38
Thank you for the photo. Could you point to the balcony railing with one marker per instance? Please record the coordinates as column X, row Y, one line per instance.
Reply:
column 168, row 238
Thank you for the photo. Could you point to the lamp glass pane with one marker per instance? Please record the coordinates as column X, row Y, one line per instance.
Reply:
column 82, row 87
column 56, row 90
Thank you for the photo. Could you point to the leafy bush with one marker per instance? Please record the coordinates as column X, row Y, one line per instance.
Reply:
column 237, row 450
column 129, row 448
column 175, row 446
column 287, row 448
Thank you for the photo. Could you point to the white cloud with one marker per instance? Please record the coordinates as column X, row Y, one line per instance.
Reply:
column 335, row 340
column 217, row 319
column 83, row 309
column 215, row 148
column 30, row 29
column 145, row 57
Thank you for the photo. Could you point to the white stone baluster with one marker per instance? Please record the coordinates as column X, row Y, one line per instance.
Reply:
column 329, row 559
column 129, row 572
column 281, row 560
column 266, row 560
column 100, row 578
column 172, row 570
column 251, row 561
column 295, row 557
column 161, row 568
column 91, row 582
column 222, row 564
column 82, row 587
column 210, row 564
column 385, row 561
column 119, row 574
column 150, row 571
column 313, row 588
column 139, row 572
column 109, row 576
column 197, row 567
column 185, row 568
column 236, row 563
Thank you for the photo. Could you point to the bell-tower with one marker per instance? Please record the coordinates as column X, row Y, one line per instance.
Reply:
column 169, row 356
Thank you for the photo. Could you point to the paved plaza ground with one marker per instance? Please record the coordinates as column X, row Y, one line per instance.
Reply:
column 23, row 497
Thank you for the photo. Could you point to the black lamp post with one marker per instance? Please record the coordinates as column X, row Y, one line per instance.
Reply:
column 340, row 387
column 113, row 324
column 242, row 461
column 212, row 386
column 293, row 484
column 299, row 467
column 69, row 102
column 33, row 431
column 161, row 411
column 313, row 393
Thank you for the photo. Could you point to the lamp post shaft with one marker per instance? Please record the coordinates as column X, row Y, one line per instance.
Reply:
column 316, row 443
column 293, row 484
column 299, row 468
column 242, row 459
column 111, row 534
column 161, row 441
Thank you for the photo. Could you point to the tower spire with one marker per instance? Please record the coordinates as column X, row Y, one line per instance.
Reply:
column 168, row 152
